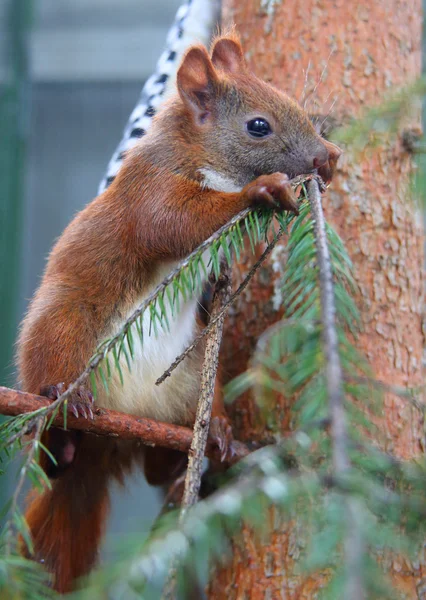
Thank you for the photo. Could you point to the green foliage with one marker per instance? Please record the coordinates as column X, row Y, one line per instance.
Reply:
column 383, row 122
column 379, row 502
column 162, row 305
column 22, row 579
column 296, row 477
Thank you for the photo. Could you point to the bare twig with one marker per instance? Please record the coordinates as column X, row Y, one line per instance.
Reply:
column 303, row 98
column 204, row 409
column 205, row 402
column 354, row 544
column 109, row 423
column 221, row 314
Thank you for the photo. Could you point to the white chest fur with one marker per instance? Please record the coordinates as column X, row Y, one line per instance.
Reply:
column 218, row 181
column 178, row 394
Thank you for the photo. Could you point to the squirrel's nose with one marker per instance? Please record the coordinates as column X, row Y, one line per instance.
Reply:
column 320, row 158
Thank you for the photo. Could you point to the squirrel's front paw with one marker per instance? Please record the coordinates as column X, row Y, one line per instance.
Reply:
column 79, row 403
column 274, row 191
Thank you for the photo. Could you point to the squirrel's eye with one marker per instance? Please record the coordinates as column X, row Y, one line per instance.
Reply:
column 258, row 127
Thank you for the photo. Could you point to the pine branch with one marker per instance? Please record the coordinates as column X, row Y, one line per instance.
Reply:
column 124, row 333
column 110, row 423
column 22, row 476
column 224, row 309
column 218, row 515
column 354, row 548
column 149, row 301
column 184, row 279
column 331, row 347
column 406, row 393
column 261, row 477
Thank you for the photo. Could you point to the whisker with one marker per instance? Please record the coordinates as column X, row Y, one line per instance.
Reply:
column 315, row 117
column 324, row 70
column 330, row 110
column 321, row 78
column 305, row 85
column 327, row 98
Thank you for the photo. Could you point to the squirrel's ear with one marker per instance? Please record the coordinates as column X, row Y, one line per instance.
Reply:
column 227, row 54
column 196, row 82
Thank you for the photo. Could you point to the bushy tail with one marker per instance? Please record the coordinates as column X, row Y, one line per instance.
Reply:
column 67, row 521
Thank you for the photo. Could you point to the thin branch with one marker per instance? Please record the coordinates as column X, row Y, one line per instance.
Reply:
column 334, row 374
column 203, row 416
column 311, row 95
column 221, row 314
column 354, row 547
column 205, row 402
column 111, row 423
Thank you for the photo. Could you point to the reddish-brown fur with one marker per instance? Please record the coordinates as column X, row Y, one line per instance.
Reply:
column 156, row 210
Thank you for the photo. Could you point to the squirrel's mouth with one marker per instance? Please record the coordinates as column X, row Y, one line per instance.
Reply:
column 326, row 172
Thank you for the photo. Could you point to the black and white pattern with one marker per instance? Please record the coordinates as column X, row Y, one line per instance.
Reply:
column 194, row 22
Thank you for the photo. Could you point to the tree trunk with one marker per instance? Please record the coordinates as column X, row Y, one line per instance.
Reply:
column 345, row 56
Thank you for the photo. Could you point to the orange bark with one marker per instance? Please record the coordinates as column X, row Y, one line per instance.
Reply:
column 344, row 56
column 115, row 424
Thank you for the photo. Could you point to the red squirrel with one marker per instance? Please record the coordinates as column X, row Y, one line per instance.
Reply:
column 226, row 141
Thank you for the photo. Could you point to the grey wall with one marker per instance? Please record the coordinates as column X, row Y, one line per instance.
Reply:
column 74, row 130
column 98, row 40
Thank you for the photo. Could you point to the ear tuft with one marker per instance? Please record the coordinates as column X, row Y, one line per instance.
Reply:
column 227, row 53
column 196, row 82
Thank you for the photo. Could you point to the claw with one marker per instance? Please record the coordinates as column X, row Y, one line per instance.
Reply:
column 221, row 436
column 79, row 403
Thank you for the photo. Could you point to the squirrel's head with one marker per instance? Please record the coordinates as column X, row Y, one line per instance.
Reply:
column 245, row 126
